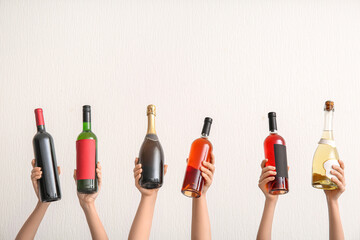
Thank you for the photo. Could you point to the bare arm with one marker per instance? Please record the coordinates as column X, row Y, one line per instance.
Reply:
column 267, row 175
column 87, row 202
column 30, row 227
column 200, row 224
column 141, row 226
column 336, row 231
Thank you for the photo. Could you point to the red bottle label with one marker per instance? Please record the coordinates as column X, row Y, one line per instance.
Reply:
column 85, row 159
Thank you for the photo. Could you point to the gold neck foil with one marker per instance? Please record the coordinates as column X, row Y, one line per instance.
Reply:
column 151, row 109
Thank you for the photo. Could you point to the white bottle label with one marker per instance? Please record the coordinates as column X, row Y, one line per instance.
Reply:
column 328, row 167
column 328, row 142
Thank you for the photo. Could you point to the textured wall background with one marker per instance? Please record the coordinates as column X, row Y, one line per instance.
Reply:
column 231, row 60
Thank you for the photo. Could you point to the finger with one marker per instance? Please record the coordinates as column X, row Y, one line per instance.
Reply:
column 338, row 175
column 36, row 169
column 288, row 168
column 210, row 166
column 74, row 175
column 206, row 171
column 33, row 163
column 98, row 165
column 137, row 178
column 99, row 175
column 263, row 163
column 342, row 165
column 207, row 178
column 59, row 170
column 268, row 168
column 338, row 183
column 266, row 175
column 137, row 172
column 137, row 167
column 165, row 168
column 266, row 180
column 339, row 169
column 136, row 160
column 187, row 160
column 36, row 176
column 212, row 159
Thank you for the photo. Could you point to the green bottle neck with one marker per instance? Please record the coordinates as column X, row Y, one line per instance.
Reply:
column 86, row 126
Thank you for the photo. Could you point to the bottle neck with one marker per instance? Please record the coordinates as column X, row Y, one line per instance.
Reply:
column 328, row 125
column 273, row 131
column 41, row 128
column 86, row 126
column 151, row 124
column 204, row 135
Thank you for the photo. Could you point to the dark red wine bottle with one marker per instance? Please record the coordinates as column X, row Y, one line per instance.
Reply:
column 43, row 143
column 275, row 152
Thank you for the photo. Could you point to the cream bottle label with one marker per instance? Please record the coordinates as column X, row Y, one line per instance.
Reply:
column 328, row 167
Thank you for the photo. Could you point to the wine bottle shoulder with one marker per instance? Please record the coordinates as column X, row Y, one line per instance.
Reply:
column 42, row 135
column 87, row 135
column 274, row 139
column 202, row 142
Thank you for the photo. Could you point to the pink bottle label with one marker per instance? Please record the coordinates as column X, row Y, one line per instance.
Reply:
column 85, row 159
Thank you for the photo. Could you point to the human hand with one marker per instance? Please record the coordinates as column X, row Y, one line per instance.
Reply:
column 207, row 172
column 267, row 175
column 88, row 199
column 339, row 180
column 36, row 174
column 137, row 174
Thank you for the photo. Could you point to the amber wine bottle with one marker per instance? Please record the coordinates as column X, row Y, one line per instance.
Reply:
column 326, row 154
column 151, row 155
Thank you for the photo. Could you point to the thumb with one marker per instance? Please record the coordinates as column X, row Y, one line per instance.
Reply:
column 165, row 168
column 74, row 175
column 33, row 163
column 59, row 170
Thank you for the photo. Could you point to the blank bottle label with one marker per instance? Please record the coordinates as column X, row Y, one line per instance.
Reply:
column 280, row 160
column 85, row 159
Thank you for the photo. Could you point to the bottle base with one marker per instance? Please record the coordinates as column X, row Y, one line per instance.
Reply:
column 51, row 199
column 278, row 191
column 191, row 193
column 325, row 185
column 150, row 184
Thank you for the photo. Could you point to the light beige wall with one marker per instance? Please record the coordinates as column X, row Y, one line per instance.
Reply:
column 231, row 60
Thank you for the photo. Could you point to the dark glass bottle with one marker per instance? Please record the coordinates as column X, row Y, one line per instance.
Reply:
column 43, row 143
column 275, row 152
column 200, row 151
column 86, row 156
column 151, row 155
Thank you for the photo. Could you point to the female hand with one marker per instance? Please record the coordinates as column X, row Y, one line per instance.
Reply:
column 333, row 195
column 207, row 172
column 137, row 174
column 267, row 175
column 87, row 199
column 36, row 174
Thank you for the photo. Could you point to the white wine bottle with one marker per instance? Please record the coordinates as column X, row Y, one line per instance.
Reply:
column 326, row 154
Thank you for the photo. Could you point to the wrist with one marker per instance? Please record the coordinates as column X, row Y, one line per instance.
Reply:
column 331, row 201
column 87, row 205
column 43, row 204
column 271, row 199
column 151, row 196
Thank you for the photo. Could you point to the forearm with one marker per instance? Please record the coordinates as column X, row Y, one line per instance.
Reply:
column 96, row 227
column 264, row 232
column 30, row 227
column 200, row 224
column 335, row 227
column 141, row 226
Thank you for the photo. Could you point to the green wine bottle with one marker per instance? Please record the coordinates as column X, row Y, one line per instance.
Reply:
column 86, row 156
